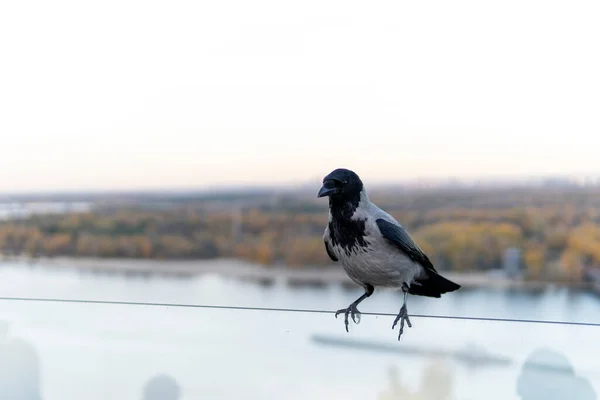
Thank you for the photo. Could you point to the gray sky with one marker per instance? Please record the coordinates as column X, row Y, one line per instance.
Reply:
column 141, row 94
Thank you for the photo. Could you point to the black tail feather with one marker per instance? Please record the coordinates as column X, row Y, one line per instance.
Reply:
column 434, row 285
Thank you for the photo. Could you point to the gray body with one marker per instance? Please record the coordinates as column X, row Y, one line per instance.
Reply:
column 379, row 263
column 374, row 249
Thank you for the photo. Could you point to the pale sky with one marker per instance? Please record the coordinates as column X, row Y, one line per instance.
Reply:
column 144, row 94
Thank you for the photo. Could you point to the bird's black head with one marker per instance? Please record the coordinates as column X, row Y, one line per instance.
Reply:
column 341, row 185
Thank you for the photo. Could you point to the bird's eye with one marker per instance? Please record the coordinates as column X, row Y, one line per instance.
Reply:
column 331, row 183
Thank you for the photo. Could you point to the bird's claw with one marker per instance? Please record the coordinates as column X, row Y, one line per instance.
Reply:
column 352, row 311
column 402, row 316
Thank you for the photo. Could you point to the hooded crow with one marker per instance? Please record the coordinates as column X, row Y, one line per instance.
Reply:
column 374, row 249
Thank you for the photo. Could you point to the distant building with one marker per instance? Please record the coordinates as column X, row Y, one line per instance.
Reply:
column 511, row 262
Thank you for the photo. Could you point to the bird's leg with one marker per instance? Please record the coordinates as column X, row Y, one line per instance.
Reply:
column 403, row 314
column 352, row 310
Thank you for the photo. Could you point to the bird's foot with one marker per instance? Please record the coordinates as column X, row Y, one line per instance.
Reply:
column 352, row 311
column 402, row 316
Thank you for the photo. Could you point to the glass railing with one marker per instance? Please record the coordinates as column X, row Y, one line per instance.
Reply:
column 54, row 350
column 66, row 335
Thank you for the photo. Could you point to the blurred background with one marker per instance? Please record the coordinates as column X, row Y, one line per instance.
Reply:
column 171, row 152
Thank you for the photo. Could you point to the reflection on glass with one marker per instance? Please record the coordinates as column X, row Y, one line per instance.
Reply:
column 19, row 367
column 162, row 387
column 71, row 351
column 436, row 384
column 548, row 374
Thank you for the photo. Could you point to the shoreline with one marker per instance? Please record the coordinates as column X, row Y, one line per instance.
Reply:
column 240, row 269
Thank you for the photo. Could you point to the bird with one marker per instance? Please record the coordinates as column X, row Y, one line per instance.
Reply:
column 373, row 248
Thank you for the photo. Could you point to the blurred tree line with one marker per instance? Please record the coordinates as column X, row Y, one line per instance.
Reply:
column 556, row 230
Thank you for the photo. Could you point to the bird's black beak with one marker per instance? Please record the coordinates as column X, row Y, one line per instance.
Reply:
column 328, row 189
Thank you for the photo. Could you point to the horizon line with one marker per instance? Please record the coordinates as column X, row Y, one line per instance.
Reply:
column 415, row 183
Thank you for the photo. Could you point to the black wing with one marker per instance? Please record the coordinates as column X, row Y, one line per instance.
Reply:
column 399, row 238
column 329, row 252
